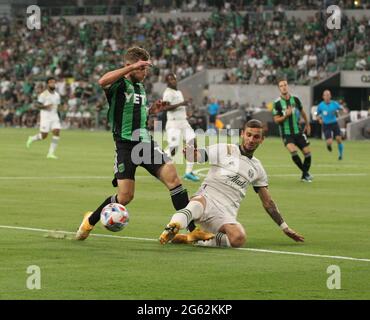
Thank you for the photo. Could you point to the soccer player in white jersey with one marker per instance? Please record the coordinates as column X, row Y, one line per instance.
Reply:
column 48, row 103
column 215, row 205
column 177, row 125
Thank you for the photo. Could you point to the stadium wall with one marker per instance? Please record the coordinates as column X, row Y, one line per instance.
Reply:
column 355, row 130
column 256, row 94
column 355, row 79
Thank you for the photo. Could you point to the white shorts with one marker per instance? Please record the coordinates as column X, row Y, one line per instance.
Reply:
column 177, row 129
column 49, row 123
column 215, row 214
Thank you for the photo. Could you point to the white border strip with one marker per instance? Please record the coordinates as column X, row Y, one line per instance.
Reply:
column 148, row 239
column 198, row 172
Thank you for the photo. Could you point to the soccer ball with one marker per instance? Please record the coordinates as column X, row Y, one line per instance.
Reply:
column 114, row 217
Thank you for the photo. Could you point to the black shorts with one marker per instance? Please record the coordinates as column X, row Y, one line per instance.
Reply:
column 130, row 155
column 212, row 118
column 331, row 130
column 300, row 140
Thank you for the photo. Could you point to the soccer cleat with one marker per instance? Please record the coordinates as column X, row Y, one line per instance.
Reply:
column 191, row 237
column 340, row 158
column 306, row 177
column 199, row 234
column 51, row 156
column 329, row 147
column 309, row 176
column 85, row 227
column 29, row 142
column 180, row 239
column 191, row 176
column 169, row 232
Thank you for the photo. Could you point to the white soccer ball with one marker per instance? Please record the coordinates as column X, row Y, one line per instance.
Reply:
column 114, row 217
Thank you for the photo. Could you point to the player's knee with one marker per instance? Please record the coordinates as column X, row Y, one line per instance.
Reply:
column 125, row 197
column 237, row 240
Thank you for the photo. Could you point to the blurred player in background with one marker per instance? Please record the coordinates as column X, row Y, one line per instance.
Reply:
column 287, row 110
column 128, row 120
column 48, row 102
column 327, row 116
column 177, row 125
column 215, row 206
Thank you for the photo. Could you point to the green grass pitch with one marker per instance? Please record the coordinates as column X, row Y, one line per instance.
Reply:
column 333, row 213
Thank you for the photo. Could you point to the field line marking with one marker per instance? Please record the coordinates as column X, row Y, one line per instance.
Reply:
column 149, row 239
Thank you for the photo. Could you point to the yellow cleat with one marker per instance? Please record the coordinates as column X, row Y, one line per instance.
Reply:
column 51, row 156
column 169, row 232
column 191, row 237
column 85, row 227
column 198, row 234
column 180, row 239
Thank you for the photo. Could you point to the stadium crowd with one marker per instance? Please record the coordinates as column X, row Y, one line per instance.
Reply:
column 253, row 48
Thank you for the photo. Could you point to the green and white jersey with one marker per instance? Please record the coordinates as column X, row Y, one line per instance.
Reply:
column 127, row 114
column 290, row 125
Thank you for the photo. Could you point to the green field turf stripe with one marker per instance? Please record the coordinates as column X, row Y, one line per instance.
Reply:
column 149, row 239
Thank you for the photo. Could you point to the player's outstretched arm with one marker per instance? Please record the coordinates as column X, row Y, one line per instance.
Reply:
column 275, row 215
column 156, row 106
column 169, row 107
column 112, row 76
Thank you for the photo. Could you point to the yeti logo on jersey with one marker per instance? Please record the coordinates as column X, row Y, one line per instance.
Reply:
column 236, row 179
column 250, row 174
column 136, row 97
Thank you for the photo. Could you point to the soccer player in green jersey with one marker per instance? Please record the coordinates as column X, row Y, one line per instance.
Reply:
column 287, row 110
column 127, row 116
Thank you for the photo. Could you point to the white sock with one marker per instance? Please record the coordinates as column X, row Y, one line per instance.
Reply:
column 192, row 211
column 189, row 167
column 53, row 144
column 220, row 240
column 37, row 137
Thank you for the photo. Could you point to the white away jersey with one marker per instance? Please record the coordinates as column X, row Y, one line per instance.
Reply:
column 174, row 97
column 46, row 98
column 231, row 173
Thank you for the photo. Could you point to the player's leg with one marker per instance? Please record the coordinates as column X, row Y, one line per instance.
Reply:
column 161, row 167
column 173, row 140
column 229, row 235
column 190, row 139
column 54, row 143
column 328, row 137
column 293, row 150
column 125, row 181
column 182, row 218
column 45, row 126
column 338, row 138
column 303, row 144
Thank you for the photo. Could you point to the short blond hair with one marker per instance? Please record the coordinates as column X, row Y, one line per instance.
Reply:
column 135, row 54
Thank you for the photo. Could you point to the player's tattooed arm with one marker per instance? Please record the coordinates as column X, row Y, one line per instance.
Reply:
column 272, row 209
column 270, row 206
